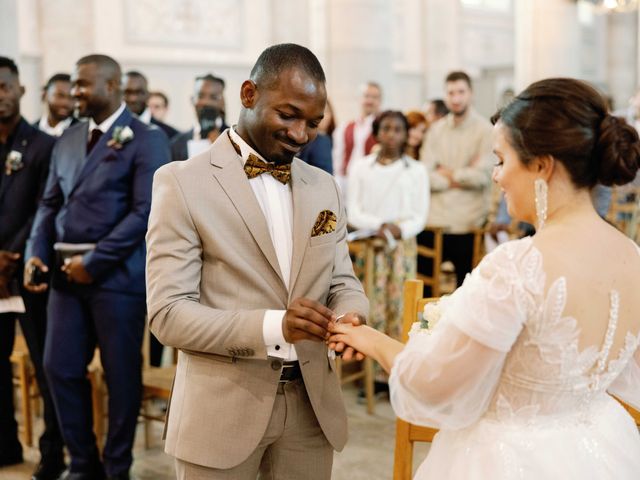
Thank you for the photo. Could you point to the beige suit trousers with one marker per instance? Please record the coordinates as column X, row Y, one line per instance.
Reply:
column 292, row 448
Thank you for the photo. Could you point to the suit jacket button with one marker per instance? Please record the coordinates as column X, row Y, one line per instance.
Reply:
column 276, row 364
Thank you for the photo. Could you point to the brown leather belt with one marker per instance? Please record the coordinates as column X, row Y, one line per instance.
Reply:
column 290, row 371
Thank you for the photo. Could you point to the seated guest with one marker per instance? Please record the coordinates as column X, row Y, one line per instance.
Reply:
column 136, row 94
column 318, row 152
column 158, row 104
column 417, row 129
column 58, row 116
column 389, row 193
column 209, row 106
column 24, row 153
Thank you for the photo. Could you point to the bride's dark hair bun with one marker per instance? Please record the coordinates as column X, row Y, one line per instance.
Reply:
column 618, row 151
column 568, row 119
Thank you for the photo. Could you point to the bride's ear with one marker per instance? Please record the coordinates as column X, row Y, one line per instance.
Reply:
column 543, row 166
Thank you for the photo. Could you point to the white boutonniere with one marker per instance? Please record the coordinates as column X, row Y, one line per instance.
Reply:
column 121, row 135
column 428, row 320
column 13, row 163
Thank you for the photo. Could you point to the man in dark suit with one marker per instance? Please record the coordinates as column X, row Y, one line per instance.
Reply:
column 24, row 156
column 136, row 94
column 98, row 193
column 56, row 95
column 208, row 102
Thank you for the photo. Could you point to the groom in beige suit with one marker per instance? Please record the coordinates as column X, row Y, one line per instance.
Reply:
column 247, row 265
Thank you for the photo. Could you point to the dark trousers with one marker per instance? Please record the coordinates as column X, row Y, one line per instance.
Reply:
column 34, row 325
column 79, row 318
column 458, row 249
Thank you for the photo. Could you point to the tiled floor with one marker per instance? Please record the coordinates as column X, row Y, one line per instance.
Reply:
column 368, row 454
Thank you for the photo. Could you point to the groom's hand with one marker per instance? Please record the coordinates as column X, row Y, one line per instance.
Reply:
column 345, row 351
column 306, row 320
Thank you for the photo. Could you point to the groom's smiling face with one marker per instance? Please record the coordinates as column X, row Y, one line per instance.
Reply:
column 92, row 90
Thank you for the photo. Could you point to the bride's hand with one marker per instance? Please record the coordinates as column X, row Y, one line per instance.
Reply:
column 361, row 338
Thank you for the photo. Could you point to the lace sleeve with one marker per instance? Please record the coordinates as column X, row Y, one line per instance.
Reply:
column 447, row 379
column 627, row 386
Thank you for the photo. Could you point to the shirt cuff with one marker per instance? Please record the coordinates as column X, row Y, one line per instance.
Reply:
column 274, row 340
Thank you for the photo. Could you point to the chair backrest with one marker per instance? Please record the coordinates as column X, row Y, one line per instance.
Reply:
column 624, row 211
column 406, row 433
column 433, row 253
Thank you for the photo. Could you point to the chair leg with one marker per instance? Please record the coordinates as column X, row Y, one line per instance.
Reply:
column 147, row 423
column 403, row 456
column 25, row 381
column 97, row 400
column 369, row 385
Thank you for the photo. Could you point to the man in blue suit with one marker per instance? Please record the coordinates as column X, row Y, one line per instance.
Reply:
column 24, row 157
column 96, row 202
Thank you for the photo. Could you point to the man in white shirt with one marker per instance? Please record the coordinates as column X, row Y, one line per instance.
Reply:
column 354, row 139
column 56, row 94
column 245, row 278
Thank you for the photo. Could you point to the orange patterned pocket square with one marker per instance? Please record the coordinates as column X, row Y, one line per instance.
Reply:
column 325, row 223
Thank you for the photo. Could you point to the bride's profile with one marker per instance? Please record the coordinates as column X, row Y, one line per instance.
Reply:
column 519, row 372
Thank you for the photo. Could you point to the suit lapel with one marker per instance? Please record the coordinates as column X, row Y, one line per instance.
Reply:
column 304, row 216
column 20, row 143
column 100, row 148
column 233, row 181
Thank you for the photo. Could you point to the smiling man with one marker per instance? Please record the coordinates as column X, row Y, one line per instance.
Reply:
column 244, row 280
column 96, row 202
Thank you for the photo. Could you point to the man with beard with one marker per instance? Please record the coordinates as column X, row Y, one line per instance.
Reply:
column 24, row 157
column 93, row 214
column 209, row 107
column 136, row 95
column 56, row 94
column 458, row 156
column 245, row 278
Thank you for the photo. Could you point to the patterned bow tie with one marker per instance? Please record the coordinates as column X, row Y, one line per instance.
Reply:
column 254, row 167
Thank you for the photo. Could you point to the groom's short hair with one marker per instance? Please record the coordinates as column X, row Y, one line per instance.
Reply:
column 107, row 65
column 278, row 58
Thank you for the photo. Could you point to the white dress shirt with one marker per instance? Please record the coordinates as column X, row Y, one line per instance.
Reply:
column 276, row 203
column 56, row 131
column 145, row 117
column 106, row 124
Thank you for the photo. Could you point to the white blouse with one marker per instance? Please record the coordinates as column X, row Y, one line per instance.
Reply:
column 395, row 193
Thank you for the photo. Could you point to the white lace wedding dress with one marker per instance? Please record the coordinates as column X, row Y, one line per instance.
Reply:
column 503, row 377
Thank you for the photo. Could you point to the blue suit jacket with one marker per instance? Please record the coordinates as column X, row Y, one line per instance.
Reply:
column 21, row 191
column 101, row 198
column 318, row 153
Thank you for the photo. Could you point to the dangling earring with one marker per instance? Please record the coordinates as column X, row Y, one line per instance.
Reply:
column 541, row 189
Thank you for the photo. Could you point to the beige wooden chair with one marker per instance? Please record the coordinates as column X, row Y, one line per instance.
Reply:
column 624, row 211
column 406, row 433
column 434, row 254
column 24, row 380
column 157, row 383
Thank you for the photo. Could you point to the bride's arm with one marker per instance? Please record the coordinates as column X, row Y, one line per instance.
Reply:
column 368, row 341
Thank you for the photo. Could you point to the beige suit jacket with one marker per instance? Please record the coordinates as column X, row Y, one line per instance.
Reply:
column 212, row 272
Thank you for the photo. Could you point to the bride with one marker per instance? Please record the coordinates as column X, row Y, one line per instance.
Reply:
column 519, row 371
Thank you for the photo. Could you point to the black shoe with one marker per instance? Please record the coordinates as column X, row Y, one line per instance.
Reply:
column 119, row 476
column 97, row 474
column 48, row 470
column 11, row 456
